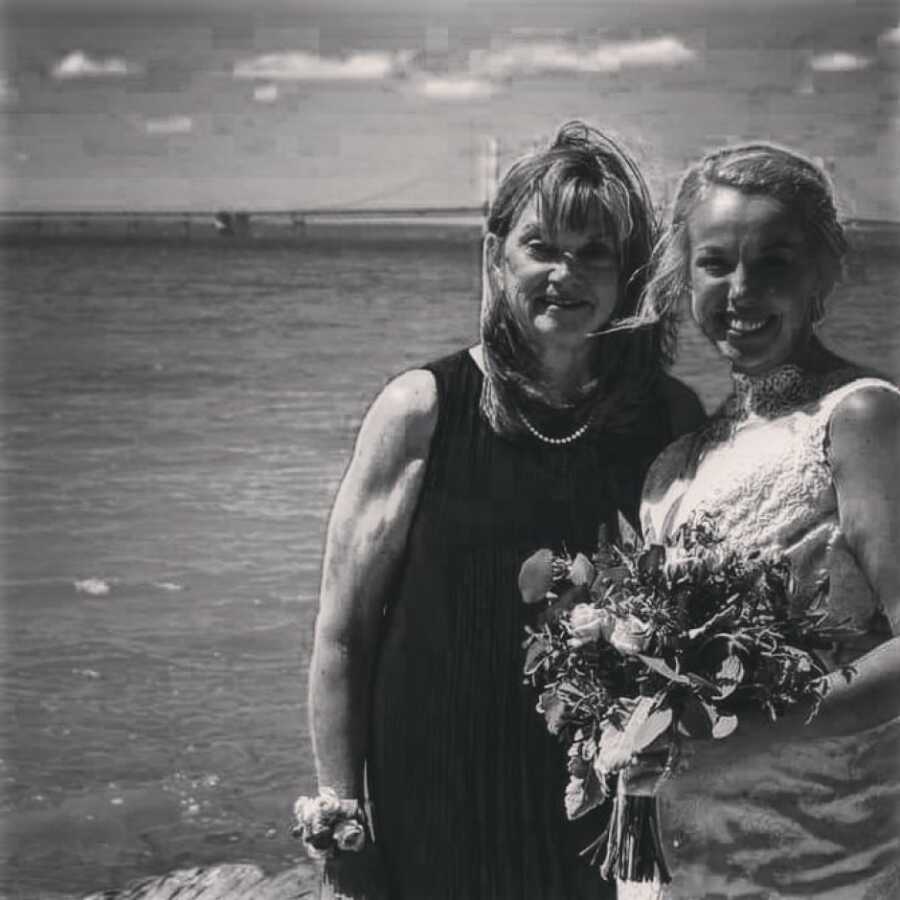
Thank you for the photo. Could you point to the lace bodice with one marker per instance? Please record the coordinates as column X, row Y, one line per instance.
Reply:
column 760, row 470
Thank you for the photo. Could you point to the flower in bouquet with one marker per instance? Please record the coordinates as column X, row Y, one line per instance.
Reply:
column 639, row 648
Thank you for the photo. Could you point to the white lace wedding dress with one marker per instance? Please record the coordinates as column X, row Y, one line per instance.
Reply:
column 812, row 818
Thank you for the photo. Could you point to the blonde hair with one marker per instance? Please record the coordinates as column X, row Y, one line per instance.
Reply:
column 758, row 168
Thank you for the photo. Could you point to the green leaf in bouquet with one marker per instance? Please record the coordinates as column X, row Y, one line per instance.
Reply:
column 606, row 555
column 584, row 794
column 538, row 649
column 576, row 764
column 652, row 559
column 703, row 687
column 536, row 576
column 661, row 667
column 729, row 675
column 718, row 620
column 648, row 720
column 554, row 711
column 696, row 718
column 581, row 571
column 607, row 578
column 724, row 726
column 628, row 535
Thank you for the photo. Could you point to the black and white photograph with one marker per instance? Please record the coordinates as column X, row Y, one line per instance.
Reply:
column 449, row 449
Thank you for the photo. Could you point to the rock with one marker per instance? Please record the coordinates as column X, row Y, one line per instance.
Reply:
column 227, row 882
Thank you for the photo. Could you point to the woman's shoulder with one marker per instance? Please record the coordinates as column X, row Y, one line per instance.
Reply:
column 411, row 393
column 404, row 414
column 862, row 412
column 856, row 395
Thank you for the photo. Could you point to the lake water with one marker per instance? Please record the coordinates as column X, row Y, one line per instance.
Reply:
column 176, row 419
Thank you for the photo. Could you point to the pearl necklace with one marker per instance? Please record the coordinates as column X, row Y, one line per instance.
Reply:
column 568, row 439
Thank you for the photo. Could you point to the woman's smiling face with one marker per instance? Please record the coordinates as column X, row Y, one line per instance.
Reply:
column 560, row 285
column 753, row 278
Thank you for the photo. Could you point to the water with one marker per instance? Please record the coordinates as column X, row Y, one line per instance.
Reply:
column 176, row 420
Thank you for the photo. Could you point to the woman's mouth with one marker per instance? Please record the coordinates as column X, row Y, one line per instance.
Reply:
column 562, row 302
column 746, row 325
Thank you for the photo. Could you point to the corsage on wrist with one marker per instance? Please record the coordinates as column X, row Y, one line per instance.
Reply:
column 329, row 825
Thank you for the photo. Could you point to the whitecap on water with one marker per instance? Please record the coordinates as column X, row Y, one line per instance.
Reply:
column 86, row 673
column 168, row 586
column 96, row 587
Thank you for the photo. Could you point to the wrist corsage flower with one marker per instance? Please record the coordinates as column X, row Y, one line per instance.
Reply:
column 329, row 825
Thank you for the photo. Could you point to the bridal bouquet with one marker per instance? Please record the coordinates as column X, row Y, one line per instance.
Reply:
column 641, row 647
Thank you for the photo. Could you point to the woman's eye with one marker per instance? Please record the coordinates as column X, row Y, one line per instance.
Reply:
column 540, row 250
column 775, row 263
column 712, row 265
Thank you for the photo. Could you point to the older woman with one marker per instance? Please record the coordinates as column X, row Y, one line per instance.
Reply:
column 462, row 468
column 801, row 459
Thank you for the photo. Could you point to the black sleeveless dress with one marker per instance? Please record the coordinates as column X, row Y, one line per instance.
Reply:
column 467, row 785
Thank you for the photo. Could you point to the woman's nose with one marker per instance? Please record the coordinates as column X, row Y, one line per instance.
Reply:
column 738, row 283
column 564, row 266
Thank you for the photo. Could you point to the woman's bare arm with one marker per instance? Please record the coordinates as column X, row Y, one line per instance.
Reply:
column 366, row 537
column 864, row 454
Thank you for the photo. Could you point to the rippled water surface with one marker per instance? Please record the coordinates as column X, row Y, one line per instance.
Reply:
column 176, row 419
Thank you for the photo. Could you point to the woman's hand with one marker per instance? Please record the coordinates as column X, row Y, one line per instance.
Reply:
column 646, row 773
column 354, row 876
column 649, row 770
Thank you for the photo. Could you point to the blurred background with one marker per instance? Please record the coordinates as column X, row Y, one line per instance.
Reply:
column 181, row 390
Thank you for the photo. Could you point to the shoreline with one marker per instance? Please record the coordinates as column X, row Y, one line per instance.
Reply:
column 865, row 235
column 228, row 881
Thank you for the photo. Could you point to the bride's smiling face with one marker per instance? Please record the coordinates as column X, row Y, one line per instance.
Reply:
column 753, row 279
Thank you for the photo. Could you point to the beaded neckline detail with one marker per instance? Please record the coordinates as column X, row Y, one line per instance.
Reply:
column 768, row 393
column 774, row 393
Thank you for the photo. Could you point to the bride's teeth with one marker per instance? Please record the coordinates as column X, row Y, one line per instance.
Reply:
column 745, row 325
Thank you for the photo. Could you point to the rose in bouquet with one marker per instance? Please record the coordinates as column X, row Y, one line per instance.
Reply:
column 639, row 648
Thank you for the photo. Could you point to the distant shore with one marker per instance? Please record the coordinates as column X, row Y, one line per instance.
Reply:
column 199, row 231
column 268, row 229
column 229, row 228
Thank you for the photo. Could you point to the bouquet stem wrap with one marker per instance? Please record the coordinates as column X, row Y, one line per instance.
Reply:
column 634, row 850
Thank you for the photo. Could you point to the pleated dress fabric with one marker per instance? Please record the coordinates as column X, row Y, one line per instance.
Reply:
column 466, row 783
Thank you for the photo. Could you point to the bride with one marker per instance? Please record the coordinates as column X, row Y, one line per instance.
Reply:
column 801, row 458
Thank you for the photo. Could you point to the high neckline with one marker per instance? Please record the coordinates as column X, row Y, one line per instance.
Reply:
column 777, row 391
column 756, row 393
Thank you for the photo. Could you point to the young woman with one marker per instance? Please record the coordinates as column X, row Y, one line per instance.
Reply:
column 461, row 470
column 801, row 458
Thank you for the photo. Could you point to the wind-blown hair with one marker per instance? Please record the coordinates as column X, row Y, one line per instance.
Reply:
column 759, row 168
column 582, row 179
